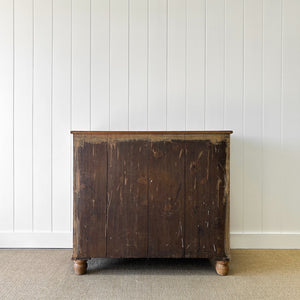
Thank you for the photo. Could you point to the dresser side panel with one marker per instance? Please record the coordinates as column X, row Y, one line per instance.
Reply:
column 227, row 195
column 206, row 198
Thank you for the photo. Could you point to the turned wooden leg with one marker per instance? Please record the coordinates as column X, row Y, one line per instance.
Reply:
column 222, row 267
column 80, row 266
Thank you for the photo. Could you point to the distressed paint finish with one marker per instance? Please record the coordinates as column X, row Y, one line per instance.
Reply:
column 151, row 194
column 206, row 199
column 90, row 181
column 126, row 220
column 166, row 199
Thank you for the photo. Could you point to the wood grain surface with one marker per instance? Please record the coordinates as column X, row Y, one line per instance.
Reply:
column 151, row 195
column 205, row 199
column 90, row 181
column 127, row 199
column 166, row 199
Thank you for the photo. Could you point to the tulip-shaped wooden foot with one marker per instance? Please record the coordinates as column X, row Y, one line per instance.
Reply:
column 80, row 266
column 222, row 267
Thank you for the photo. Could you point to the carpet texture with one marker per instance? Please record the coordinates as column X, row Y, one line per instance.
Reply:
column 48, row 274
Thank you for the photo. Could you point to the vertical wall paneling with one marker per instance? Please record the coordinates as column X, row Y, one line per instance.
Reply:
column 176, row 85
column 272, row 61
column 23, row 84
column 100, row 64
column 119, row 74
column 81, row 65
column 149, row 65
column 157, row 72
column 6, row 115
column 291, row 116
column 138, row 64
column 42, row 117
column 253, row 167
column 61, row 116
column 195, row 64
column 215, row 64
column 233, row 111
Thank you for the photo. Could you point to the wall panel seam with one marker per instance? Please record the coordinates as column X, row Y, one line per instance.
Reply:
column 224, row 70
column 90, row 74
column 128, row 64
column 51, row 114
column 71, row 110
column 281, row 104
column 167, row 64
column 14, row 71
column 243, row 112
column 147, row 65
column 262, row 120
column 109, row 63
column 185, row 66
column 205, row 69
column 32, row 123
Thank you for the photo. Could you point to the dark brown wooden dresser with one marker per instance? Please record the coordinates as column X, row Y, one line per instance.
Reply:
column 151, row 194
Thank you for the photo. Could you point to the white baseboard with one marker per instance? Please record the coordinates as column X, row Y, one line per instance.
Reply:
column 64, row 240
column 35, row 240
column 265, row 240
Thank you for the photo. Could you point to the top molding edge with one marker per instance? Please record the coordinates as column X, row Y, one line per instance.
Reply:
column 154, row 132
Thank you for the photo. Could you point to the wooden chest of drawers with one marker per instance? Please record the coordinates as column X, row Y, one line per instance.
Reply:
column 151, row 194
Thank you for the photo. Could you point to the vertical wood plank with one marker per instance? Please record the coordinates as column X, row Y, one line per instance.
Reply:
column 206, row 198
column 166, row 199
column 6, row 115
column 61, row 116
column 42, row 116
column 198, row 202
column 195, row 64
column 119, row 64
column 253, row 117
column 90, row 182
column 138, row 64
column 290, row 116
column 214, row 108
column 23, row 114
column 157, row 73
column 233, row 110
column 127, row 198
column 272, row 61
column 176, row 62
column 81, row 101
column 100, row 64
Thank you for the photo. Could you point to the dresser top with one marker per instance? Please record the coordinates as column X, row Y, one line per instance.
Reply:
column 153, row 132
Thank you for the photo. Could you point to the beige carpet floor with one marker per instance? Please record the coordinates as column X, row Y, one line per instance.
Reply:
column 48, row 274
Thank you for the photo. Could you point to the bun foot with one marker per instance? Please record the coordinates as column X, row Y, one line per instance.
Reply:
column 222, row 267
column 80, row 266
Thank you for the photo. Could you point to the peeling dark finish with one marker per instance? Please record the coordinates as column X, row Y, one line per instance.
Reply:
column 89, row 200
column 151, row 194
column 127, row 199
column 166, row 199
column 206, row 199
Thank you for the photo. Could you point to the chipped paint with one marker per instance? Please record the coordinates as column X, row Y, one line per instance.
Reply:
column 180, row 153
column 200, row 154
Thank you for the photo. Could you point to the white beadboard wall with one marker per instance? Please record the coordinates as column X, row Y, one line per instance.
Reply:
column 149, row 65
